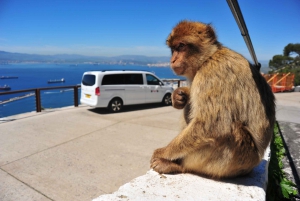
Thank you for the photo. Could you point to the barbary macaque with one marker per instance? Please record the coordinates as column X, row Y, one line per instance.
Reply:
column 228, row 108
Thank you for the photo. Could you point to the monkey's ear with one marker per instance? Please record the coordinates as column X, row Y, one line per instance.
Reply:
column 210, row 33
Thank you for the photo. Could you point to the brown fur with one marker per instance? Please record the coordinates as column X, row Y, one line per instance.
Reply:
column 229, row 109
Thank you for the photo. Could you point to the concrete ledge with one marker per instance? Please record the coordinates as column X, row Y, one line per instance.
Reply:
column 153, row 186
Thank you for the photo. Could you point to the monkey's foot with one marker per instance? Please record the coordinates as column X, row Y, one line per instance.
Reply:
column 179, row 98
column 164, row 166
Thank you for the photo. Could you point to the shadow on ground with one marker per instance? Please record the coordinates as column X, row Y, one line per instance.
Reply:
column 128, row 108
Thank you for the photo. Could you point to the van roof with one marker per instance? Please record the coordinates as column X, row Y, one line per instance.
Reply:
column 118, row 71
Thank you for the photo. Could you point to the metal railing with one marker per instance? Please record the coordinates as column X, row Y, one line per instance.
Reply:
column 173, row 81
column 37, row 92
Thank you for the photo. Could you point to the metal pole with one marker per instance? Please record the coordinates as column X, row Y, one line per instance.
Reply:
column 236, row 11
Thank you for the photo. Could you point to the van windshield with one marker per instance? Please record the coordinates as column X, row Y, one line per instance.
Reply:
column 151, row 80
column 88, row 80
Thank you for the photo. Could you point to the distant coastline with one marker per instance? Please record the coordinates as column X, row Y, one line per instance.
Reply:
column 7, row 58
column 159, row 65
column 74, row 60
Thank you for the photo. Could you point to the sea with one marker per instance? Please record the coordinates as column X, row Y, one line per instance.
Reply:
column 36, row 75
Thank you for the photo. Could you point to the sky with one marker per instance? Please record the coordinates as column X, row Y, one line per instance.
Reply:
column 140, row 27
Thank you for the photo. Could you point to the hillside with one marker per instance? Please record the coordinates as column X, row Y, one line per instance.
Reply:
column 8, row 57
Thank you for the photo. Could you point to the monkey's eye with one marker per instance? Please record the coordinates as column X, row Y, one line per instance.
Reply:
column 180, row 46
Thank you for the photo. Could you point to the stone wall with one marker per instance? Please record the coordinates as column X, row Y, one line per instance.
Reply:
column 154, row 186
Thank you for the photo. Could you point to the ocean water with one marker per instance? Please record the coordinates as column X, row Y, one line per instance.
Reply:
column 32, row 76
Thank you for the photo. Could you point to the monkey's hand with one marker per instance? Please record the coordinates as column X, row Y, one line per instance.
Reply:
column 162, row 165
column 180, row 97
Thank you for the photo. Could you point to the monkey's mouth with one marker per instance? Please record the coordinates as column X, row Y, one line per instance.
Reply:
column 178, row 70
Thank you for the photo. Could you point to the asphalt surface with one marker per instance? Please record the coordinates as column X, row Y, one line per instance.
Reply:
column 288, row 117
column 81, row 153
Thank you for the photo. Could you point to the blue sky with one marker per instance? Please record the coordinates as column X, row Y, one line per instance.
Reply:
column 140, row 27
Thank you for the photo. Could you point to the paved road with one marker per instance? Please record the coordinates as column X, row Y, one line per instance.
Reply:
column 81, row 153
column 288, row 117
column 288, row 106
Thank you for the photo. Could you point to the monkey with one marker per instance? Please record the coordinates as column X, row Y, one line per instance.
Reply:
column 228, row 108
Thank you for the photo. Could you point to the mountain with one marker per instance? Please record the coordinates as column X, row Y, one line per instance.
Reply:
column 8, row 57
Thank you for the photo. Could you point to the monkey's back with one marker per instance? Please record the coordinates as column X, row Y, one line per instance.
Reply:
column 234, row 105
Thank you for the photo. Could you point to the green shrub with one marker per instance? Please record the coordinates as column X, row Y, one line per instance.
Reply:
column 279, row 187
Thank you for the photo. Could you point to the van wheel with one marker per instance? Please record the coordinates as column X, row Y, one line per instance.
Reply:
column 167, row 100
column 115, row 105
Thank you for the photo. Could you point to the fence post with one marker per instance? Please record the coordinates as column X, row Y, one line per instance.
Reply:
column 76, row 96
column 38, row 100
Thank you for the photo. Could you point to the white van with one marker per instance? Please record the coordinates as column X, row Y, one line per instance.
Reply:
column 113, row 89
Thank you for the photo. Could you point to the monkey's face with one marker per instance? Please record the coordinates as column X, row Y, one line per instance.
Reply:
column 178, row 59
column 188, row 42
column 184, row 58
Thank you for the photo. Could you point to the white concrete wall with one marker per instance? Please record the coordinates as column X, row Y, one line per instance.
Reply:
column 153, row 186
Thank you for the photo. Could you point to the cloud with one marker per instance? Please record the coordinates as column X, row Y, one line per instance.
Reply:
column 89, row 50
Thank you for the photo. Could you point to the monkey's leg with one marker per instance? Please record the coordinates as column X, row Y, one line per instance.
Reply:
column 187, row 142
column 180, row 97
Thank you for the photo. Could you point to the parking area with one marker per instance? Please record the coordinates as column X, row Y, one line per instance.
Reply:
column 79, row 153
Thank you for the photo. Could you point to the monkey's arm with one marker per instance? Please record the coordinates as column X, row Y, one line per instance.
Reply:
column 180, row 97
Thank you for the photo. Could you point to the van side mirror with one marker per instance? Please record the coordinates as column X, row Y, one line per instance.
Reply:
column 161, row 84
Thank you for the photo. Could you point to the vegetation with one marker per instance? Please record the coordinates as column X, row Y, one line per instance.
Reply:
column 288, row 62
column 291, row 49
column 279, row 187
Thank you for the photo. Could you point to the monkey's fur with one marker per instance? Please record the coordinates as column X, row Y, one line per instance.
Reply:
column 229, row 108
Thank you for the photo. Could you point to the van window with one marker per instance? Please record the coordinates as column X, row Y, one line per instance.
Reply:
column 113, row 79
column 133, row 78
column 151, row 80
column 117, row 79
column 88, row 80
